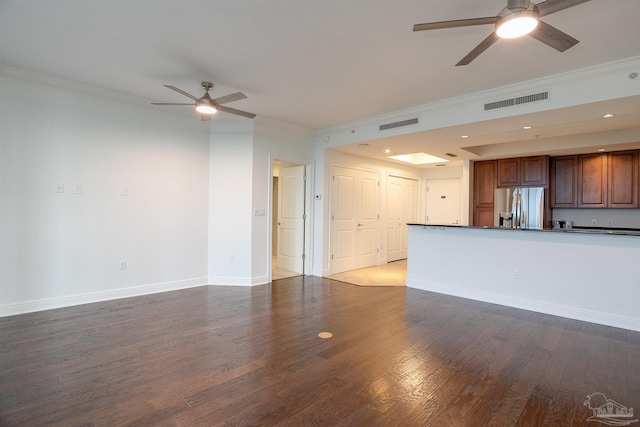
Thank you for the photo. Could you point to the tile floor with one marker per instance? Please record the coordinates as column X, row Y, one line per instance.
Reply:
column 391, row 274
column 280, row 273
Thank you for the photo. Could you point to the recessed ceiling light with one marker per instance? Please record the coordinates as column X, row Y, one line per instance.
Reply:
column 464, row 136
column 387, row 151
column 608, row 115
column 600, row 149
column 526, row 127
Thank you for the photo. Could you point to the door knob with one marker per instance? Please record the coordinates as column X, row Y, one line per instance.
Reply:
column 360, row 225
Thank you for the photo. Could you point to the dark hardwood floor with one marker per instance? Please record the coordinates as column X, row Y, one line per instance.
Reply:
column 235, row 356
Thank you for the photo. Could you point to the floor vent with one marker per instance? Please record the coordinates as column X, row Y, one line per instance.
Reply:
column 516, row 101
column 398, row 124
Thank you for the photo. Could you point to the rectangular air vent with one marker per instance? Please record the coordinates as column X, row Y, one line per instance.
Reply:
column 516, row 101
column 451, row 154
column 398, row 124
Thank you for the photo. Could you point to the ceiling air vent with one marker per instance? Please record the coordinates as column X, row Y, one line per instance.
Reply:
column 398, row 124
column 516, row 101
column 451, row 154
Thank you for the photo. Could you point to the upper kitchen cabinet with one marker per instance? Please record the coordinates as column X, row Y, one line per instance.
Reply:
column 508, row 172
column 534, row 171
column 523, row 172
column 564, row 182
column 622, row 179
column 592, row 181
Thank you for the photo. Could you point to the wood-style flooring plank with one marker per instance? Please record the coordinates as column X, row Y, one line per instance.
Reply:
column 229, row 356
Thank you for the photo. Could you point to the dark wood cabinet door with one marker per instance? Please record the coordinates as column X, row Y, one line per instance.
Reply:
column 534, row 171
column 564, row 182
column 508, row 172
column 622, row 179
column 592, row 180
column 484, row 183
column 483, row 217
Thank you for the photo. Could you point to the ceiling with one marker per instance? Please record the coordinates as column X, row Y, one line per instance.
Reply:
column 311, row 63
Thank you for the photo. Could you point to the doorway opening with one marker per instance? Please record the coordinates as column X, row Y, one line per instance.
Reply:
column 289, row 225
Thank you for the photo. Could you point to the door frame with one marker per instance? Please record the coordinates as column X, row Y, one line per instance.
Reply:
column 308, row 211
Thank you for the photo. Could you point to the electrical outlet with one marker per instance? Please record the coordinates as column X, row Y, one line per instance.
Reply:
column 123, row 264
column 59, row 188
column 610, row 222
column 231, row 258
column 77, row 188
column 516, row 274
column 594, row 221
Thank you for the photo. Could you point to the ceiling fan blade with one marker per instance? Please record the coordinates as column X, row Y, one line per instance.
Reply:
column 551, row 6
column 484, row 45
column 182, row 92
column 553, row 37
column 170, row 103
column 230, row 98
column 453, row 24
column 236, row 112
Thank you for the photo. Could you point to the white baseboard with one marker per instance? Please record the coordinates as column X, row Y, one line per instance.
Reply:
column 230, row 281
column 91, row 297
column 570, row 312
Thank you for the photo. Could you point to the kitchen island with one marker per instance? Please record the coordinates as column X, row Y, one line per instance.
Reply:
column 587, row 275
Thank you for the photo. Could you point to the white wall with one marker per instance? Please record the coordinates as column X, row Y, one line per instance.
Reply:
column 230, row 214
column 60, row 249
column 595, row 278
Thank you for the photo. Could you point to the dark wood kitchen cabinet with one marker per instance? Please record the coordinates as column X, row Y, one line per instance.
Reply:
column 592, row 181
column 622, row 179
column 484, row 185
column 564, row 182
column 534, row 171
column 508, row 172
column 523, row 172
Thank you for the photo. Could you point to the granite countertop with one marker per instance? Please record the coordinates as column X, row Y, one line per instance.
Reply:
column 579, row 230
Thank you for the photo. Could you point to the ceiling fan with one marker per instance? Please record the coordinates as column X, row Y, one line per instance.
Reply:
column 207, row 105
column 520, row 17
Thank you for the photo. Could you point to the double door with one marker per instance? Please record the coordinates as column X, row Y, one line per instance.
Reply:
column 354, row 219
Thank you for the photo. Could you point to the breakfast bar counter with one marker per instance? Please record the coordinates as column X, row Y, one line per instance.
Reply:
column 584, row 274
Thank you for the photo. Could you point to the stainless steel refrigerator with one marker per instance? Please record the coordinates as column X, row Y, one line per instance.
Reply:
column 519, row 207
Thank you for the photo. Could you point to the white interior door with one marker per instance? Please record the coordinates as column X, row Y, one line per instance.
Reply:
column 367, row 230
column 354, row 219
column 290, row 245
column 402, row 208
column 394, row 219
column 443, row 201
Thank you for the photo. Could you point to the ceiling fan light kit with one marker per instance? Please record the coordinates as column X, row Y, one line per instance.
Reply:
column 517, row 23
column 208, row 106
column 518, row 18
